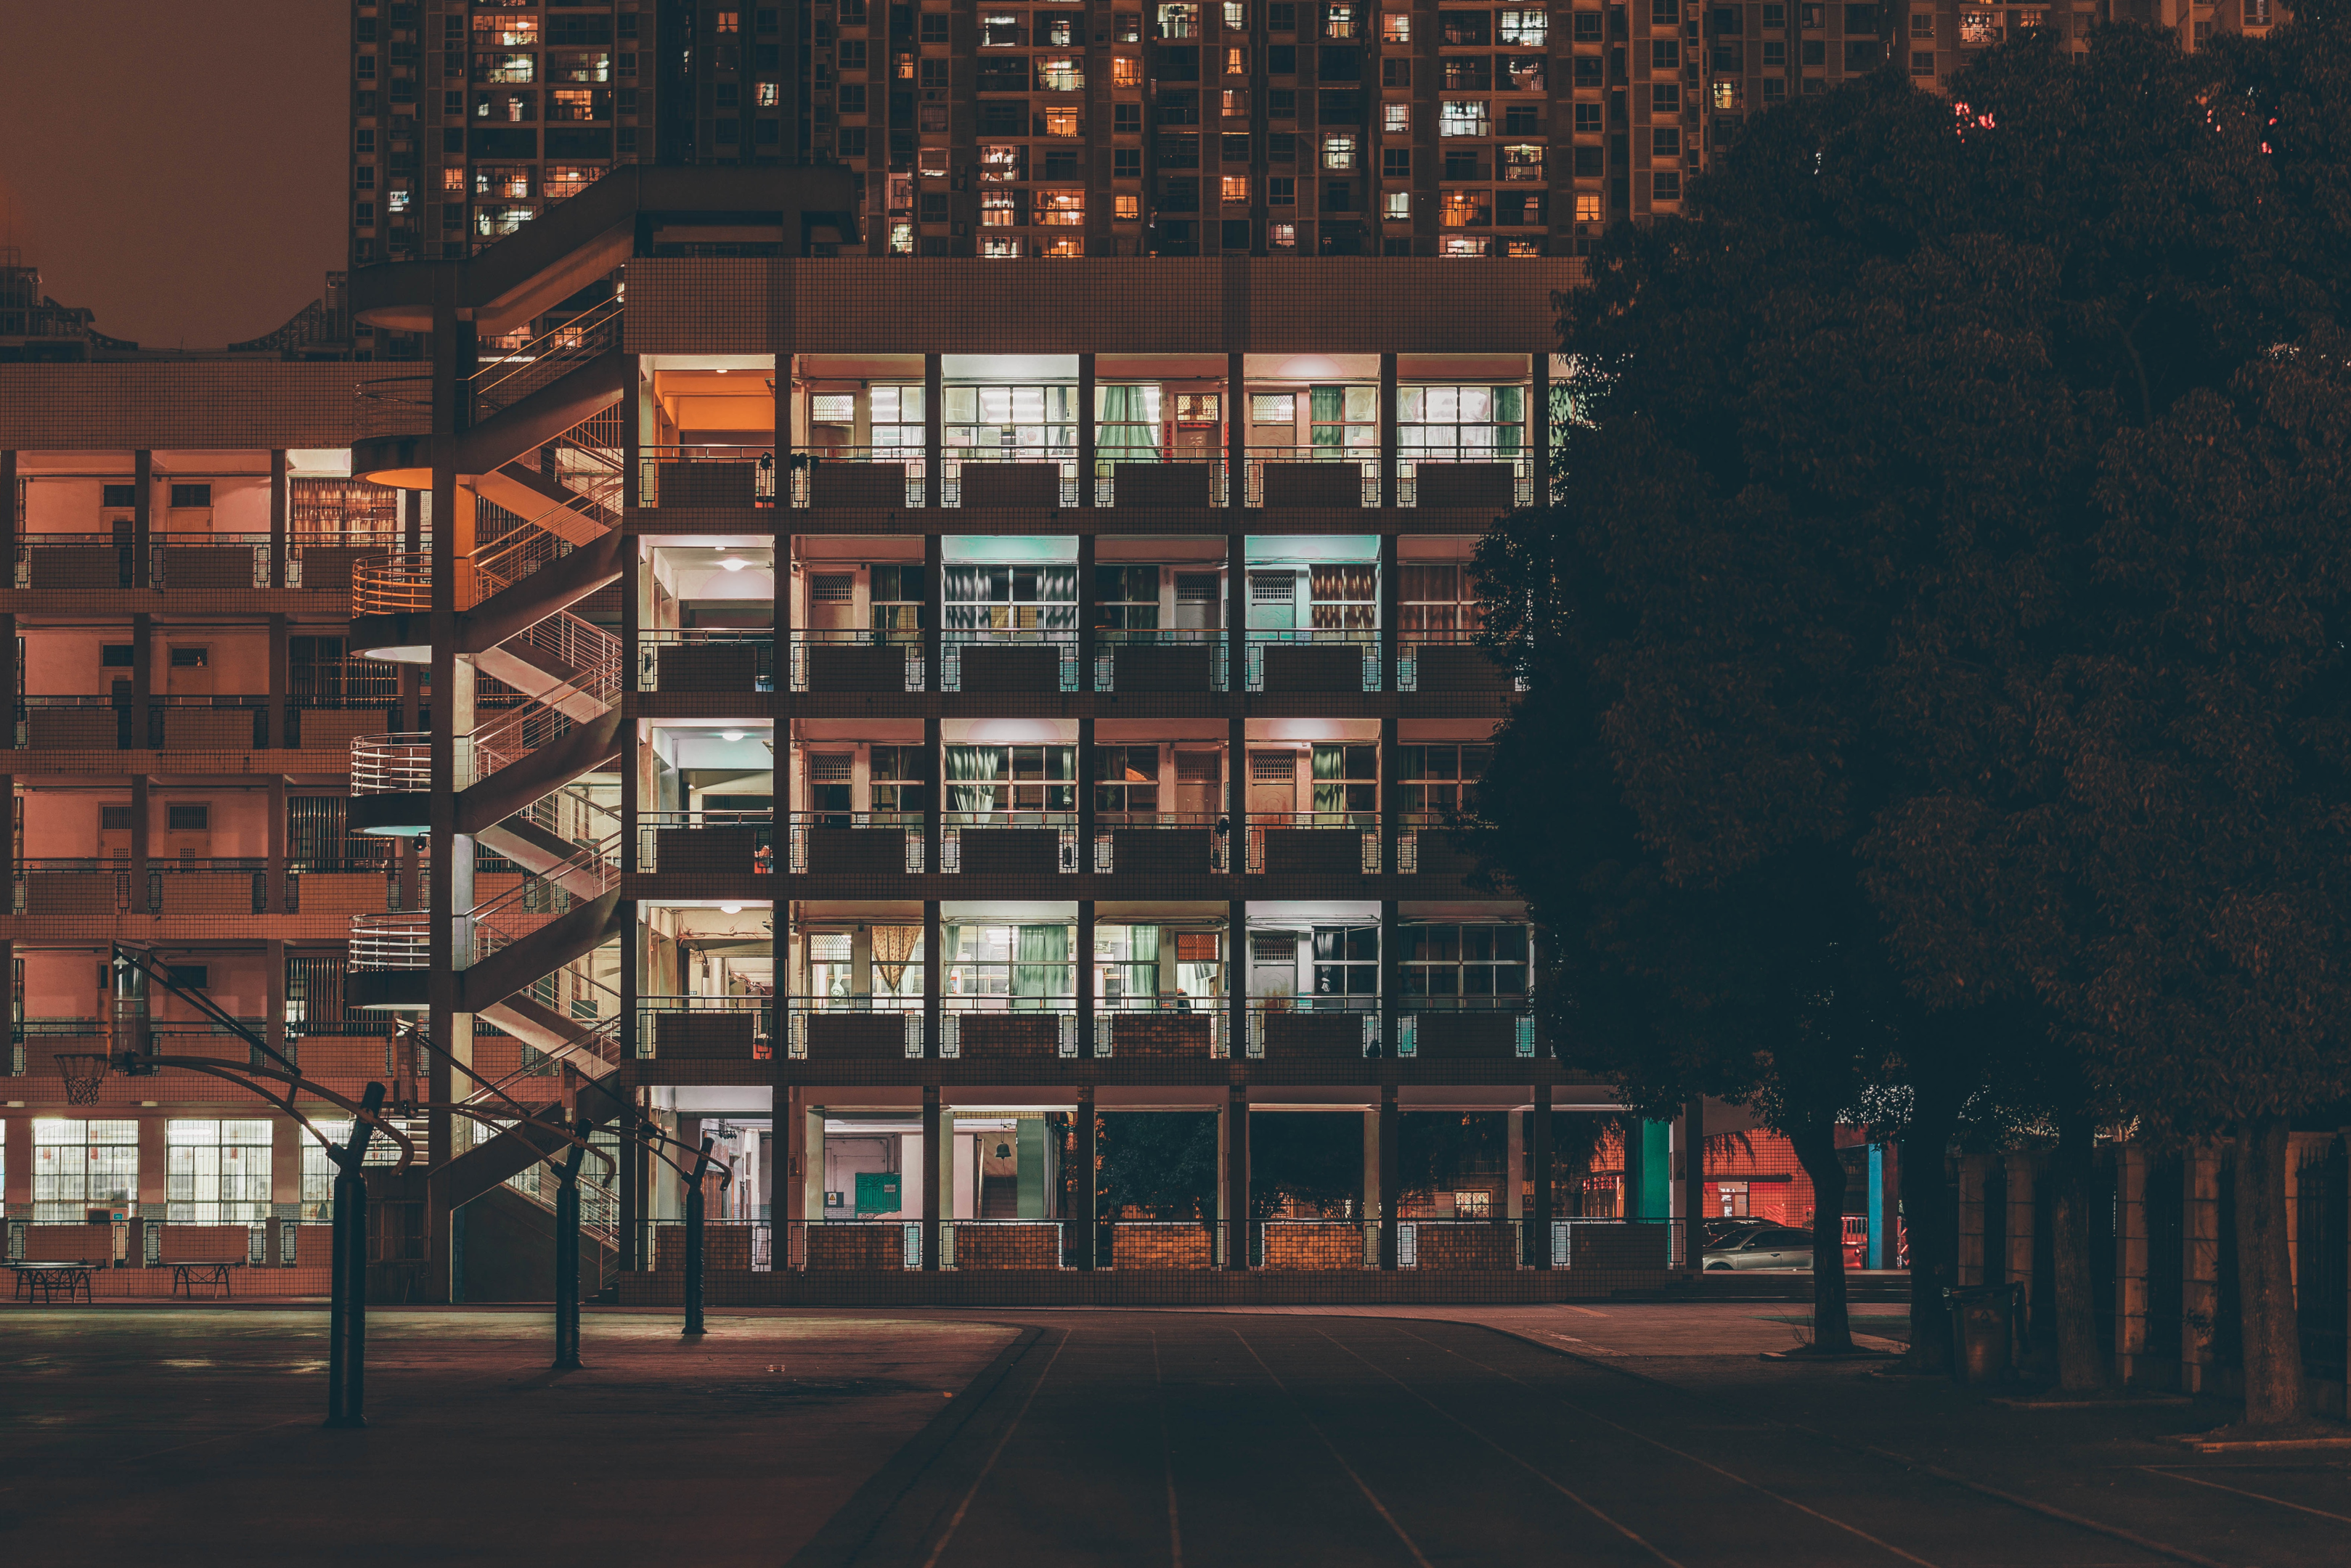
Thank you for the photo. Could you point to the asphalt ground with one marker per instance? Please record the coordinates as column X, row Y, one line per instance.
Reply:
column 1625, row 1434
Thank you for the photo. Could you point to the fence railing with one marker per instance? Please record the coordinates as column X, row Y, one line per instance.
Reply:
column 1293, row 484
column 964, row 841
column 852, row 842
column 886, row 477
column 1205, row 845
column 178, row 723
column 964, row 463
column 969, row 649
column 709, row 1029
column 1309, row 659
column 723, row 661
column 1141, row 649
column 706, row 475
column 1496, row 479
column 1168, row 477
column 1294, row 843
column 184, row 562
column 715, row 843
column 501, row 381
column 51, row 885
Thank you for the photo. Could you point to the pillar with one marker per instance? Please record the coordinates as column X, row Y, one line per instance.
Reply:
column 1086, row 439
column 1879, row 1255
column 143, row 518
column 16, row 1178
column 277, row 519
column 1693, row 1180
column 2199, row 1252
column 2023, row 1174
column 2130, row 1260
column 1391, row 988
column 281, row 681
column 1388, row 444
column 1236, row 625
column 1538, row 420
column 11, row 528
column 1236, row 449
column 1390, row 1125
column 935, row 956
column 934, row 471
column 1237, row 1019
column 1088, row 621
column 1539, row 1153
column 1391, row 612
column 1233, row 1161
column 1084, row 959
column 1087, row 1177
column 938, row 1174
column 934, row 584
column 1968, row 1253
column 287, row 1138
column 1514, row 1168
column 142, row 808
column 154, row 1166
column 273, row 1023
column 633, row 1159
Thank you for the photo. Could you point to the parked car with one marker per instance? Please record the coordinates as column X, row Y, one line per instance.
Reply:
column 1724, row 1230
column 1773, row 1247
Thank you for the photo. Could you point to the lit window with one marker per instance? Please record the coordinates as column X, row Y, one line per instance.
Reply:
column 395, row 201
column 1587, row 207
column 1281, row 236
column 1523, row 162
column 1396, row 118
column 1237, row 62
column 1399, row 204
column 1179, row 21
column 569, row 179
column 1466, row 209
column 497, row 223
column 1127, row 205
column 1523, row 247
column 768, row 95
column 998, row 209
column 1395, row 27
column 1979, row 27
column 1063, row 246
column 216, row 1172
column 1338, row 21
column 932, row 163
column 901, row 240
column 1063, row 121
column 1235, row 103
column 728, row 22
column 1524, row 27
column 999, row 30
column 1065, row 209
column 1126, row 70
column 1236, row 17
column 1059, row 73
column 452, row 179
column 1339, row 151
column 1726, row 92
column 1236, row 187
column 1466, row 246
column 998, row 246
column 506, row 67
column 508, row 182
column 1003, row 161
column 79, row 1166
column 1464, row 117
column 505, row 32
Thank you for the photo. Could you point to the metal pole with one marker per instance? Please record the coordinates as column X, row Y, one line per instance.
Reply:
column 347, row 1274
column 694, row 1243
column 567, row 1261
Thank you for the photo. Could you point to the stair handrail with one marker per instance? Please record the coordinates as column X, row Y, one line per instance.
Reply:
column 494, row 382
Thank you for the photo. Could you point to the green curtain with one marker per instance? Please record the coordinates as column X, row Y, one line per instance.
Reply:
column 1325, row 407
column 972, row 764
column 1042, row 965
column 1126, row 429
column 1331, row 764
column 1143, row 972
column 1510, row 420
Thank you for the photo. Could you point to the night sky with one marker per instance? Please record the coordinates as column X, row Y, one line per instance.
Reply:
column 177, row 167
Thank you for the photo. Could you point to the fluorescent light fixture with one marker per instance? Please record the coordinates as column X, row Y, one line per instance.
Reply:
column 734, row 563
column 730, row 734
column 730, row 909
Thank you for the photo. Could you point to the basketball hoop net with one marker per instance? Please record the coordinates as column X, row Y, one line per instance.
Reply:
column 84, row 1073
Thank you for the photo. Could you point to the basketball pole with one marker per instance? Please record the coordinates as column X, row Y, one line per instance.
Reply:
column 566, row 1257
column 347, row 1274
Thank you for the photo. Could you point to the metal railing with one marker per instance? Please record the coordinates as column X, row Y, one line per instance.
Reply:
column 706, row 475
column 954, row 824
column 1314, row 1245
column 1141, row 492
column 1214, row 825
column 970, row 1244
column 1366, row 462
column 1109, row 640
column 1410, row 643
column 182, row 561
column 1259, row 642
column 1522, row 479
column 957, row 1014
column 956, row 645
column 1323, row 1026
column 720, row 1027
column 1363, row 826
column 720, row 660
column 955, row 460
column 57, row 885
column 810, row 851
column 911, row 489
column 500, row 382
column 798, row 1012
column 909, row 644
column 714, row 844
column 122, row 725
column 390, row 941
column 1163, row 1023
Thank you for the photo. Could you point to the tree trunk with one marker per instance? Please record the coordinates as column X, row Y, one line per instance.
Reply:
column 2272, row 1334
column 2079, row 1369
column 1928, row 1214
column 1815, row 1148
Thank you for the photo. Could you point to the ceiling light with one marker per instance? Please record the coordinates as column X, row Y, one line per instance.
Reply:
column 730, row 734
column 734, row 563
column 730, row 909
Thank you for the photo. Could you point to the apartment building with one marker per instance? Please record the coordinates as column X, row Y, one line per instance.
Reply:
column 179, row 532
column 1190, row 128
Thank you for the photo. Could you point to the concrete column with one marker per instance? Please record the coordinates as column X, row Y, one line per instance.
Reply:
column 1389, row 444
column 934, row 957
column 142, row 673
column 281, row 680
column 1540, row 1118
column 154, row 1163
column 11, row 534
column 2130, row 1260
column 1085, row 771
column 1539, row 421
column 934, row 473
column 1391, row 987
column 1084, row 957
column 273, row 1023
column 633, row 1159
column 1086, row 438
column 1233, row 1162
column 2200, row 1292
column 1089, row 620
column 143, row 828
column 16, row 1178
column 1237, row 449
column 1368, row 1209
column 1391, row 1125
column 1235, row 630
column 1514, row 1166
column 143, row 518
column 1086, row 1178
column 276, row 872
column 278, row 487
column 287, row 1138
column 1693, row 1180
column 934, row 584
column 1391, row 612
column 1236, row 973
column 936, row 1173
column 2023, row 1174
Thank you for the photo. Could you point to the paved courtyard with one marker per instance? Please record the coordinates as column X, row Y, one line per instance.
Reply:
column 1635, row 1433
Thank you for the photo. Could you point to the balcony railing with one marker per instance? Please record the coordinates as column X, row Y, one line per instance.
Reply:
column 1161, row 1028
column 178, row 563
column 1161, row 659
column 727, row 1028
column 1009, row 476
column 710, row 844
column 1450, row 660
column 857, row 661
column 857, row 843
column 892, row 477
column 177, row 724
column 1316, row 1028
column 718, row 660
column 1163, row 843
column 1310, row 843
column 865, row 1027
column 1313, row 659
column 52, row 885
column 1498, row 481
column 706, row 475
column 1008, row 844
column 1171, row 478
column 1312, row 477
column 997, row 1027
column 991, row 659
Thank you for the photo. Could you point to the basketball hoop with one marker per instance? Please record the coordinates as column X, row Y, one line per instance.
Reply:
column 85, row 1075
